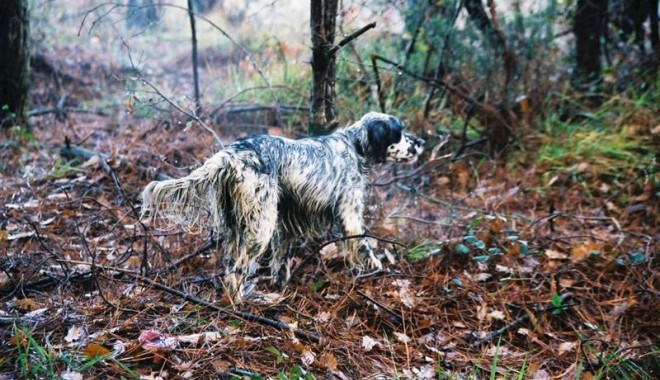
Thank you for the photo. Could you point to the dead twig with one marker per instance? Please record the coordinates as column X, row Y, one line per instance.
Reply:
column 205, row 247
column 564, row 297
column 71, row 152
column 193, row 116
column 190, row 298
column 393, row 313
column 351, row 37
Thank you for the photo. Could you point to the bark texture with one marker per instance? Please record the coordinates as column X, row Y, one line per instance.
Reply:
column 14, row 62
column 323, row 24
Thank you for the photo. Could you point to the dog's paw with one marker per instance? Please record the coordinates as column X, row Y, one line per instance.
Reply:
column 367, row 262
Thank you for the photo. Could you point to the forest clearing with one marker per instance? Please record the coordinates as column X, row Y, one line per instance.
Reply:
column 522, row 244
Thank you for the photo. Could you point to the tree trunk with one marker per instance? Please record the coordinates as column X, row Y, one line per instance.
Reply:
column 323, row 24
column 589, row 27
column 14, row 62
column 494, row 36
column 141, row 13
column 203, row 6
column 193, row 29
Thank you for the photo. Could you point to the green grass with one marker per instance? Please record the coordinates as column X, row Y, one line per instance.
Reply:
column 32, row 360
column 617, row 363
column 613, row 139
column 64, row 169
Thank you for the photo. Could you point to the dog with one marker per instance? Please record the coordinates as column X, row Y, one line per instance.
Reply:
column 266, row 194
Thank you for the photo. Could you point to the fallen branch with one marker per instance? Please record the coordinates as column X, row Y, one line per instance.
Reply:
column 72, row 152
column 234, row 313
column 564, row 297
column 65, row 110
column 205, row 247
column 393, row 313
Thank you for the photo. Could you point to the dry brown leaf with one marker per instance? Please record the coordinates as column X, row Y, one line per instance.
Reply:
column 27, row 304
column 328, row 361
column 555, row 255
column 566, row 282
column 220, row 365
column 405, row 294
column 482, row 310
column 73, row 334
column 496, row 314
column 581, row 251
column 566, row 347
column 93, row 350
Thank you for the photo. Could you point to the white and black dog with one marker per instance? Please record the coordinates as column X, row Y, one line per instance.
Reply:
column 265, row 194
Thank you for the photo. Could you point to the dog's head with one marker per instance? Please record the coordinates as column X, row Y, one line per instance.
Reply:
column 385, row 140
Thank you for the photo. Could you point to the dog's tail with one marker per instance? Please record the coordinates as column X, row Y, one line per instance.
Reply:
column 192, row 201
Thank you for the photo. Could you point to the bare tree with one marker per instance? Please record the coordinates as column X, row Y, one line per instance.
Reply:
column 193, row 29
column 589, row 26
column 203, row 6
column 323, row 23
column 493, row 35
column 14, row 62
column 141, row 13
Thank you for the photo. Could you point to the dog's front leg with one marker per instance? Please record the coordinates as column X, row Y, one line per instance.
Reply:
column 360, row 254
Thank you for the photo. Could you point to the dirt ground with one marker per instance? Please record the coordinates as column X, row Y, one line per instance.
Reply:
column 492, row 269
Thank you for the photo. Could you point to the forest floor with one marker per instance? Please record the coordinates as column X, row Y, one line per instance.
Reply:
column 493, row 269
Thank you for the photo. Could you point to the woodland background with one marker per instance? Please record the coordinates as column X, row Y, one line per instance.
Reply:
column 522, row 245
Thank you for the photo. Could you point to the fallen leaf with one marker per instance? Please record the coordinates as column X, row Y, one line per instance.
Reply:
column 496, row 314
column 566, row 282
column 401, row 337
column 221, row 366
column 93, row 350
column 368, row 343
column 407, row 297
column 581, row 251
column 523, row 331
column 201, row 338
column 156, row 339
column 566, row 347
column 71, row 375
column 555, row 255
column 328, row 361
column 73, row 334
column 482, row 310
column 27, row 304
column 483, row 276
column 21, row 235
column 308, row 357
column 323, row 317
column 425, row 372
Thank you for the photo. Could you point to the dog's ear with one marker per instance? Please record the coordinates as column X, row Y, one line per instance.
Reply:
column 381, row 133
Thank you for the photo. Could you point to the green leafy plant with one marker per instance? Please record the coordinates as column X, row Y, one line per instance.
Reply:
column 422, row 251
column 63, row 169
column 279, row 356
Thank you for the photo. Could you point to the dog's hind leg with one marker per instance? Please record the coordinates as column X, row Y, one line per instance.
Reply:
column 254, row 220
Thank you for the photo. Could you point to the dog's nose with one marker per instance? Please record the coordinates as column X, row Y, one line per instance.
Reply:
column 420, row 142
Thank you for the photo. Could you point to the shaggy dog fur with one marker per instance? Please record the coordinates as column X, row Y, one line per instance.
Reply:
column 265, row 194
